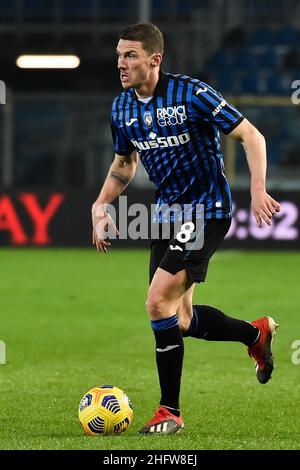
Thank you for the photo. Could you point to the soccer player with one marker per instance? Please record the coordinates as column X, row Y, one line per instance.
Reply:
column 173, row 122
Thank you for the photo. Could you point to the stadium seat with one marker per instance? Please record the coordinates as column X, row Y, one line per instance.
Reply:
column 227, row 83
column 243, row 58
column 266, row 58
column 262, row 36
column 79, row 10
column 221, row 58
column 182, row 7
column 250, row 83
column 114, row 9
column 286, row 36
column 37, row 10
column 269, row 56
column 34, row 155
column 7, row 10
column 275, row 84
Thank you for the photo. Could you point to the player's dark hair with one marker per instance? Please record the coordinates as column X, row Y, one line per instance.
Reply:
column 146, row 33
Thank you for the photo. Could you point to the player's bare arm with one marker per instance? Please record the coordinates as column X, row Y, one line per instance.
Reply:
column 263, row 205
column 120, row 174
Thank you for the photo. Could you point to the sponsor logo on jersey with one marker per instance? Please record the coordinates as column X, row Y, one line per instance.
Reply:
column 148, row 119
column 162, row 142
column 171, row 116
column 219, row 107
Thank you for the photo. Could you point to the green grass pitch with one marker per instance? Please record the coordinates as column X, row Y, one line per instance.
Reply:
column 74, row 319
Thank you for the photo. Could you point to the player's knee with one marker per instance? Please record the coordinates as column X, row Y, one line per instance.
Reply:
column 155, row 306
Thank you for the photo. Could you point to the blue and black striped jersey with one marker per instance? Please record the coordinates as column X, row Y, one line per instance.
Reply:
column 176, row 134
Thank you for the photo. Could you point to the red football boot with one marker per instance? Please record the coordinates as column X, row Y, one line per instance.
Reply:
column 163, row 422
column 261, row 351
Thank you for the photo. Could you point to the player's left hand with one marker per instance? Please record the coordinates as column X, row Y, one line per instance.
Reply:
column 263, row 207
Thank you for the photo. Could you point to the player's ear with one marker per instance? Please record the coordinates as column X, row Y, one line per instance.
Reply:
column 156, row 60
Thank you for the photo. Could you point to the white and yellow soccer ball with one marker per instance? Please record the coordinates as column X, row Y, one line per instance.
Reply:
column 105, row 410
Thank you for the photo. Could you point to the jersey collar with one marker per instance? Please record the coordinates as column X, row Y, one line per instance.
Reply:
column 161, row 85
column 159, row 90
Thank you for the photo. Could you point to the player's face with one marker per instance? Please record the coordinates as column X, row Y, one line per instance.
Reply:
column 134, row 63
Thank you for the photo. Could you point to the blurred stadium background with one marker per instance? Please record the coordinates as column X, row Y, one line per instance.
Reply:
column 55, row 150
column 55, row 129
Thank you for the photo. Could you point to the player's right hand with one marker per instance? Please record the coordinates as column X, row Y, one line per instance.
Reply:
column 102, row 225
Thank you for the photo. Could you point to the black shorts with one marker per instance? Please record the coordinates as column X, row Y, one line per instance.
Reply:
column 194, row 261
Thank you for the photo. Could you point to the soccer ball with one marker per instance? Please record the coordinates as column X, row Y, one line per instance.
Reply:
column 105, row 410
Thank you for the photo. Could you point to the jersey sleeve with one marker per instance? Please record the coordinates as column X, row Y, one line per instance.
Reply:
column 209, row 105
column 122, row 144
